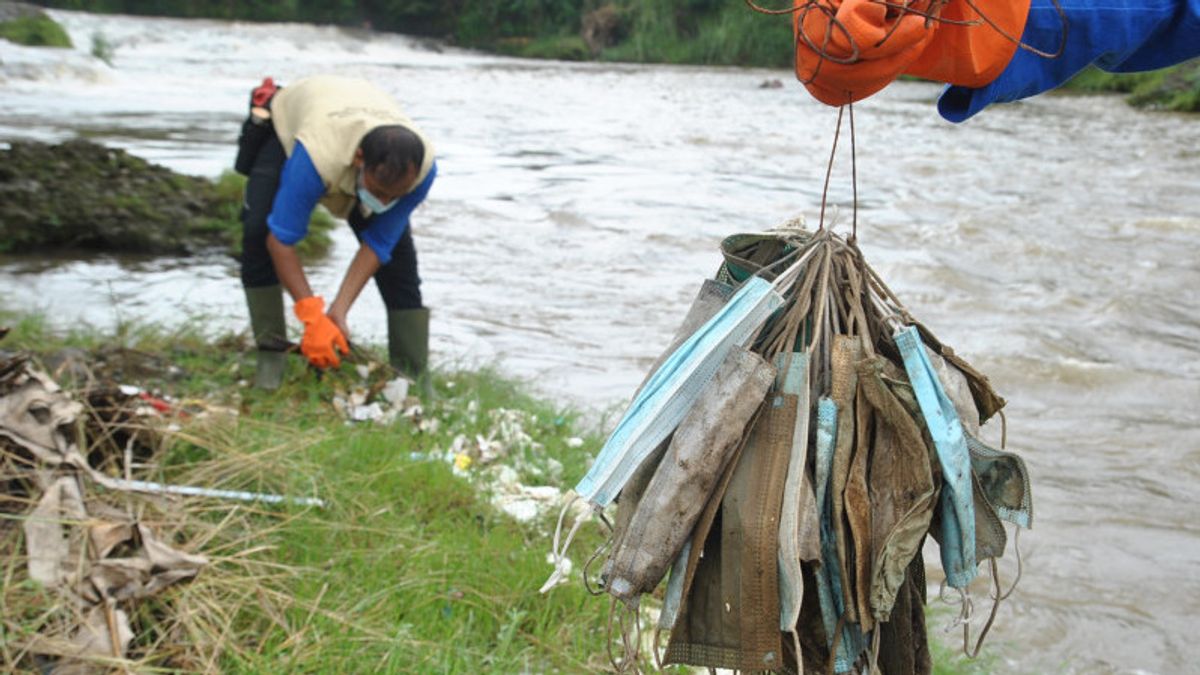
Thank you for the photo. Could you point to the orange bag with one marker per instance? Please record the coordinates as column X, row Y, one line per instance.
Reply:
column 847, row 50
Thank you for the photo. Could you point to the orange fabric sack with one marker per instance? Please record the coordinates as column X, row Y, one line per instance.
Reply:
column 847, row 50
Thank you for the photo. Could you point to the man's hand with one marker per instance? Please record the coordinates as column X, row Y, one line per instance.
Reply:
column 339, row 320
column 322, row 338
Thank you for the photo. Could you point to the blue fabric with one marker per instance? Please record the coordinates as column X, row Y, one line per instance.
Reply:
column 830, row 595
column 1116, row 35
column 949, row 439
column 301, row 187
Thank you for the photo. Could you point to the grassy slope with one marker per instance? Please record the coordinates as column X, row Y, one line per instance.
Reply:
column 35, row 31
column 1176, row 88
column 230, row 187
column 410, row 569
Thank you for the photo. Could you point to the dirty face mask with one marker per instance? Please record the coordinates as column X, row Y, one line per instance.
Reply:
column 945, row 428
column 370, row 201
column 673, row 389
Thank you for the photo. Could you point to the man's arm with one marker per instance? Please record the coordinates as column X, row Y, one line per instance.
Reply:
column 300, row 188
column 288, row 268
column 378, row 241
column 362, row 267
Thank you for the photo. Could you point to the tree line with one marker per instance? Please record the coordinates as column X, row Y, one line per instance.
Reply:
column 723, row 32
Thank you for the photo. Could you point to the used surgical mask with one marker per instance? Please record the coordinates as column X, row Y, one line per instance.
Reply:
column 957, row 498
column 672, row 390
column 370, row 201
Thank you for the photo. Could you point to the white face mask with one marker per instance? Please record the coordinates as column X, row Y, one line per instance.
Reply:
column 370, row 201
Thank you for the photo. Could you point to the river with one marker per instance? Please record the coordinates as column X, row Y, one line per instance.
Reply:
column 1054, row 243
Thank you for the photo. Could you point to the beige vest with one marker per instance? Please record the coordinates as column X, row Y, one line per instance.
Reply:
column 330, row 115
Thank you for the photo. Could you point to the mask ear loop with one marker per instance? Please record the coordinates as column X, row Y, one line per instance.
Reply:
column 657, row 647
column 587, row 583
column 873, row 667
column 1020, row 562
column 1003, row 430
column 632, row 649
column 997, row 598
column 560, row 553
column 965, row 606
column 799, row 656
column 612, row 659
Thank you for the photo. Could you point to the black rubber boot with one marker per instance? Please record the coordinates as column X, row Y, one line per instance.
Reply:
column 270, row 335
column 408, row 346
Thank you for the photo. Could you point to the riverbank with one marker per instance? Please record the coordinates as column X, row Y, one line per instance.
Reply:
column 427, row 554
column 28, row 25
column 83, row 196
column 1176, row 88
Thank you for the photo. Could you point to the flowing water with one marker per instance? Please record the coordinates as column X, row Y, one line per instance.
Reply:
column 1054, row 243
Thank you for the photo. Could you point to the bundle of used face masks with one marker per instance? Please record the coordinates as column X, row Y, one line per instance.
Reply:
column 784, row 462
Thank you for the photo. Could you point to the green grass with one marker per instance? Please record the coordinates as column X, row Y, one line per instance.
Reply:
column 732, row 34
column 409, row 569
column 35, row 31
column 946, row 650
column 562, row 48
column 230, row 187
column 1176, row 88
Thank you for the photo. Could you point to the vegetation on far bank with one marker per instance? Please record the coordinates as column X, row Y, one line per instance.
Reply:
column 719, row 32
column 1176, row 88
column 83, row 196
column 709, row 32
column 29, row 26
column 35, row 32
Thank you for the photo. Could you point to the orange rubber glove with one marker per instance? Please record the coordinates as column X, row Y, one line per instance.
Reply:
column 322, row 339
column 846, row 50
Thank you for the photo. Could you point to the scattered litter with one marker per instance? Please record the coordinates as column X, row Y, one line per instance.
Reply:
column 565, row 564
column 396, row 391
column 75, row 544
column 195, row 491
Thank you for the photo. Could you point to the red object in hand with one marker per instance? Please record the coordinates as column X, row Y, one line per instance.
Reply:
column 322, row 338
column 261, row 96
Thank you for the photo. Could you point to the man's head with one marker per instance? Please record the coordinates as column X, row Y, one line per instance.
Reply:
column 389, row 159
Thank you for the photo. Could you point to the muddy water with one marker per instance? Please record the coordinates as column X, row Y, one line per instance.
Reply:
column 1054, row 243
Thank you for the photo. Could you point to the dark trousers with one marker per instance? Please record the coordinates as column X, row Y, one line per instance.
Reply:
column 397, row 281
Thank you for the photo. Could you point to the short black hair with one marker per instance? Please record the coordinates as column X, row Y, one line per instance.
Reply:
column 389, row 151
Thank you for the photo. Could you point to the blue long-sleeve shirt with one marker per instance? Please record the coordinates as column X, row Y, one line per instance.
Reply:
column 1116, row 35
column 301, row 187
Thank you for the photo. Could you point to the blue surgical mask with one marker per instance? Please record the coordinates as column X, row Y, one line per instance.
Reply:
column 370, row 201
column 945, row 428
column 673, row 389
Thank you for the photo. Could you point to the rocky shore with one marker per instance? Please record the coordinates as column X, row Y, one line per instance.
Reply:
column 83, row 196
